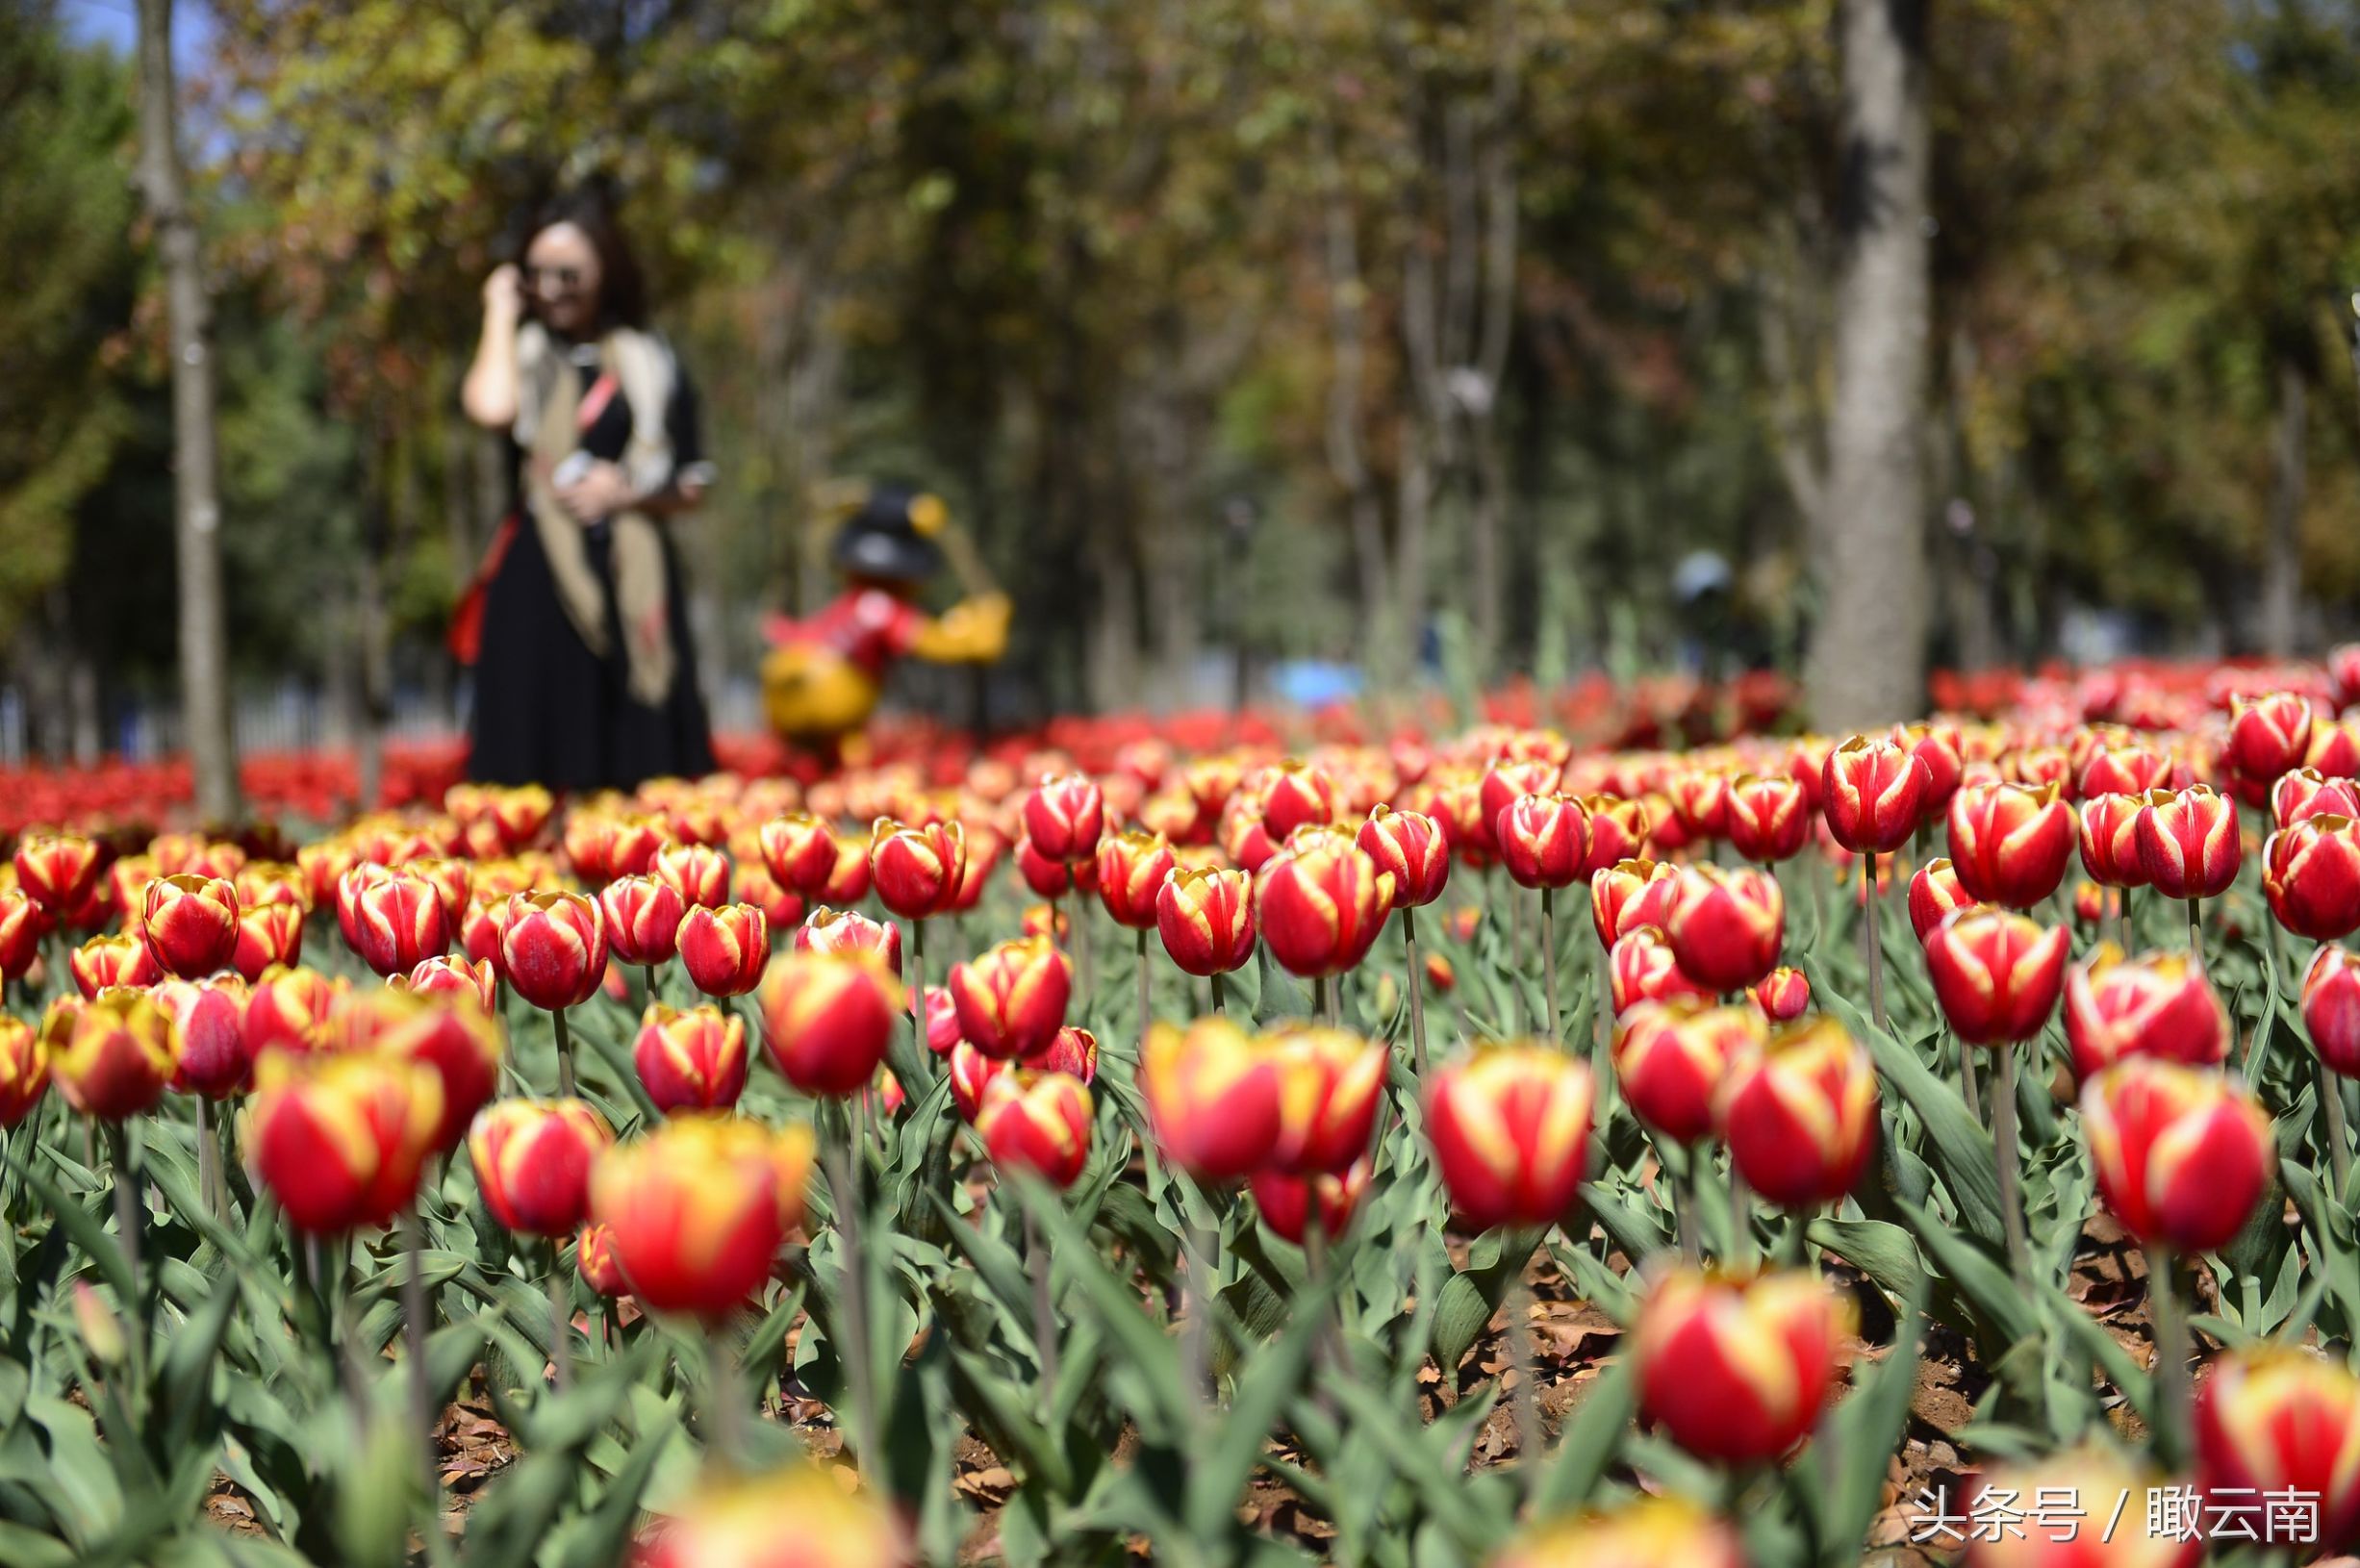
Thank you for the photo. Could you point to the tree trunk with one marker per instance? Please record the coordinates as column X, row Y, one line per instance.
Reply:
column 1866, row 664
column 2282, row 565
column 204, row 642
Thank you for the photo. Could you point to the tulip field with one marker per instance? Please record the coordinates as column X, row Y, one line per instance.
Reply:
column 1455, row 1144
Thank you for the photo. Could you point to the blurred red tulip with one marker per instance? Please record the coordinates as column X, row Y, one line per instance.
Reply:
column 1511, row 1128
column 2181, row 1155
column 1738, row 1370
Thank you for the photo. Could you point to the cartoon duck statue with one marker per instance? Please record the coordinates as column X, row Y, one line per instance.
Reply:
column 823, row 676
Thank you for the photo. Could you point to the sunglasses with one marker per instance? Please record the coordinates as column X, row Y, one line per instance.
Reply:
column 566, row 278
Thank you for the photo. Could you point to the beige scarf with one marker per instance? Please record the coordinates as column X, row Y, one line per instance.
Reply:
column 549, row 398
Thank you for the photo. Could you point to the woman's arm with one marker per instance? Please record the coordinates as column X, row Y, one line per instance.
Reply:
column 490, row 393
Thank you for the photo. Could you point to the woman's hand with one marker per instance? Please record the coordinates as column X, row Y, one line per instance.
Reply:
column 601, row 492
column 504, row 291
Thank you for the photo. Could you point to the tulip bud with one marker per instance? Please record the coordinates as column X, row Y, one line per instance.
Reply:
column 1799, row 1114
column 642, row 917
column 2306, row 793
column 593, row 1259
column 1619, row 830
column 827, row 1019
column 448, row 976
column 1064, row 818
column 2009, row 843
column 1409, row 846
column 2188, row 842
column 1996, row 973
column 697, row 872
column 1939, row 746
column 450, row 880
column 1738, row 1370
column 1642, row 967
column 269, row 936
column 916, row 871
column 970, row 1072
column 2109, row 838
column 942, row 1019
column 1289, row 1203
column 1132, row 870
column 1331, row 1084
column 2128, row 769
column 1726, row 926
column 1011, row 999
column 849, row 882
column 532, row 1161
column 1699, row 797
column 1784, row 994
column 450, row 1034
column 1036, row 1122
column 1874, row 795
column 287, row 1010
column 553, row 948
column 1652, row 1532
column 1320, row 903
column 22, row 926
column 2277, row 1420
column 1670, row 1057
column 733, row 1523
column 2158, row 1006
column 2331, row 1009
column 104, row 962
column 690, row 1061
column 848, row 931
column 209, row 1050
column 1212, row 1096
column 800, row 851
column 24, row 1069
column 1295, row 794
column 724, row 950
column 1074, row 1052
column 189, row 924
column 1768, row 819
column 1510, row 1131
column 2311, row 876
column 111, row 1055
column 396, row 919
column 1205, row 919
column 58, row 871
column 1543, row 840
column 1631, row 894
column 696, row 1209
column 2181, row 1156
column 340, row 1140
column 2268, row 735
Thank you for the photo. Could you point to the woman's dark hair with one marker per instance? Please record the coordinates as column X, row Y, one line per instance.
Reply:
column 623, row 288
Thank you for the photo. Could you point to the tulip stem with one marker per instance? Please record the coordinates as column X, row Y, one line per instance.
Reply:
column 2196, row 929
column 414, row 1345
column 127, row 1217
column 1196, row 1327
column 1147, row 1008
column 1870, row 938
column 2006, row 1156
column 1685, row 1188
column 726, row 1440
column 561, row 1320
column 1740, row 1226
column 1220, row 992
column 1319, row 999
column 1967, row 1087
column 852, row 1319
column 1548, row 965
column 2339, row 1139
column 1417, row 989
column 917, row 981
column 565, row 1055
column 652, row 996
column 2171, row 1386
column 1531, row 1443
column 208, row 1184
column 1044, row 1313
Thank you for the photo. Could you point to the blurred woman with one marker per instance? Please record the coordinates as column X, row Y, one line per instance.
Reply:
column 584, row 675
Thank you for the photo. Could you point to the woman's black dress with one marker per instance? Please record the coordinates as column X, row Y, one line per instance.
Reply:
column 548, row 710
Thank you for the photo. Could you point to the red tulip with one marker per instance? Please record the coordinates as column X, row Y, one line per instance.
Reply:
column 22, row 926
column 1642, row 967
column 58, row 871
column 800, row 851
column 1295, row 794
column 1510, row 1131
column 2109, row 838
column 593, row 1259
column 461, row 1042
column 724, row 950
column 340, row 1139
column 2306, row 793
column 1409, row 846
column 448, row 976
column 2158, row 1006
column 1132, row 868
column 1700, row 798
column 1784, row 994
column 532, row 1160
column 1289, row 1203
column 1065, row 817
column 1331, row 1084
column 1074, row 1052
column 2268, row 735
column 1036, row 1122
column 209, row 1049
column 189, row 924
column 1631, row 894
column 1874, row 795
column 2331, row 1009
column 24, row 1069
column 1770, row 820
column 269, row 936
column 395, row 918
column 1013, row 997
column 1738, row 1370
column 690, row 1061
column 1726, row 926
column 695, row 1211
column 2277, row 1420
column 111, row 1055
column 1619, row 830
column 1996, row 974
column 970, row 1072
column 1670, row 1057
column 1939, row 749
column 1205, row 919
column 2311, row 876
column 104, row 962
column 1543, row 840
column 287, row 1010
column 847, row 930
column 827, row 1019
column 2009, row 843
column 553, row 948
column 916, row 871
column 2181, row 1155
column 1320, row 903
column 697, row 872
column 2069, row 1537
column 642, row 917
column 1799, row 1115
column 1212, row 1095
column 2188, row 843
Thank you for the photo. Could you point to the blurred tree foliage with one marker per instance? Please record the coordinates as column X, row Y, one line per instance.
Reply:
column 1295, row 321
